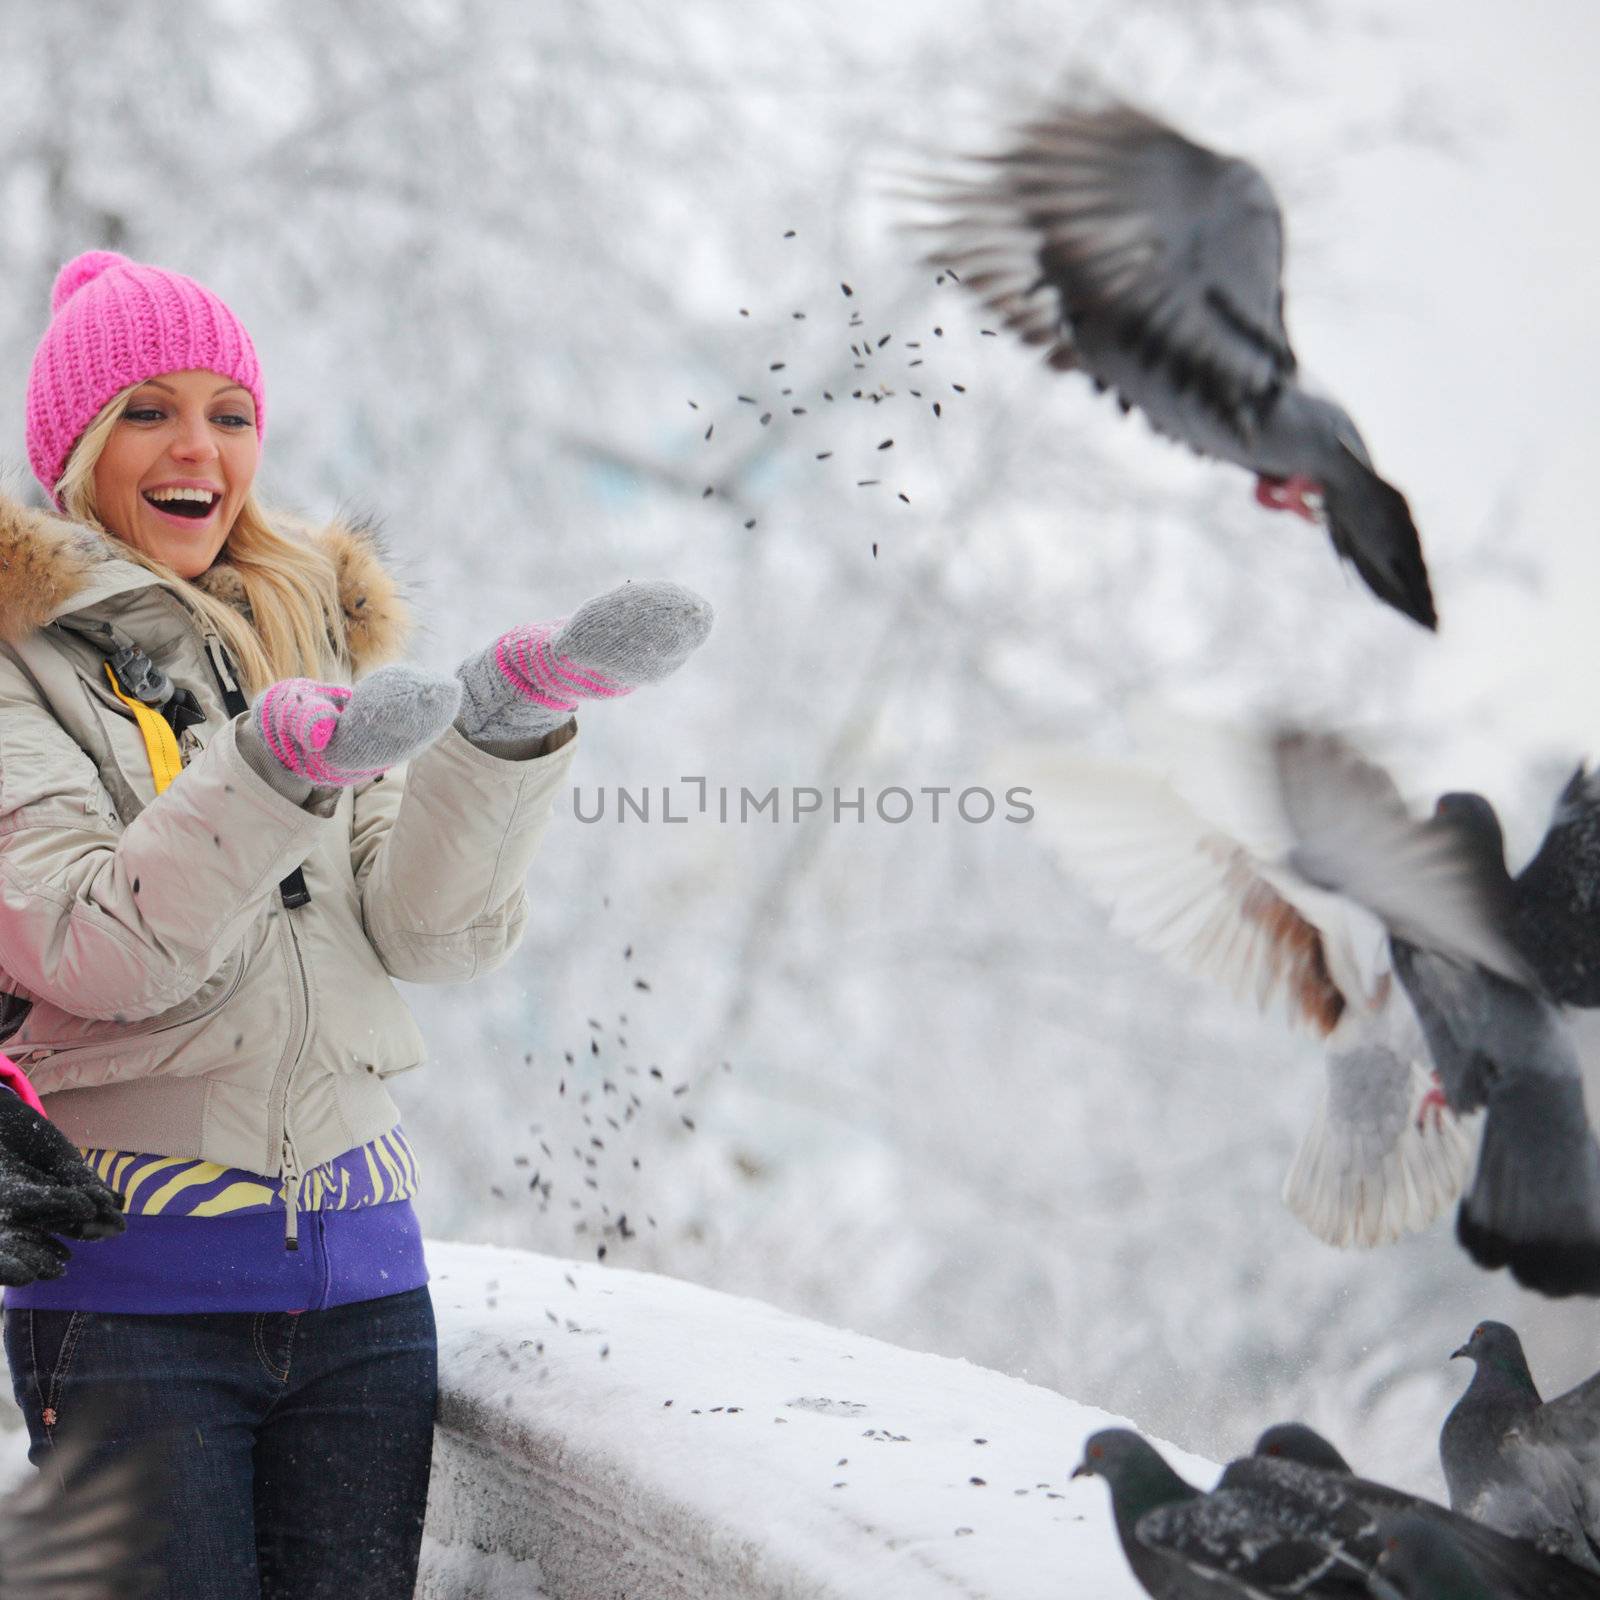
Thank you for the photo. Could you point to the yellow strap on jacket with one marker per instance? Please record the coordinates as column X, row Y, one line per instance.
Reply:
column 160, row 742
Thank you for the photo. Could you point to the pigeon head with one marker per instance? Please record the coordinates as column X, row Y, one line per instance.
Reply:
column 1494, row 1344
column 1476, row 820
column 1294, row 1441
column 1133, row 1468
column 1421, row 1561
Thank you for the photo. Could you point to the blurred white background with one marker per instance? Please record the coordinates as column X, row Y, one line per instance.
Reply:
column 490, row 253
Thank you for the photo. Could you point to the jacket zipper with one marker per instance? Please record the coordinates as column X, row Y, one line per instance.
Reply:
column 291, row 1161
column 291, row 1195
column 292, row 892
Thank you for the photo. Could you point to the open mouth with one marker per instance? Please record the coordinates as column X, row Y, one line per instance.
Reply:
column 184, row 505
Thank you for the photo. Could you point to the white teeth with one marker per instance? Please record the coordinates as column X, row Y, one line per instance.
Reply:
column 204, row 496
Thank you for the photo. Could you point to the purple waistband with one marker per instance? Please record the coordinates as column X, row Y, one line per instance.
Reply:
column 238, row 1263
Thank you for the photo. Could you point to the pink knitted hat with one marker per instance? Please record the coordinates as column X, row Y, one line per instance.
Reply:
column 117, row 322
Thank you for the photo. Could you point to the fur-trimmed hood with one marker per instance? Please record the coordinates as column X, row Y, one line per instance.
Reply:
column 50, row 567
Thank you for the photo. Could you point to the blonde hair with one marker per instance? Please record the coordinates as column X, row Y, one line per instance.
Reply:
column 295, row 625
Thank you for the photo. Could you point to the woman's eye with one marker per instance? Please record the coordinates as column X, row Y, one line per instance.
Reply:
column 234, row 420
column 142, row 413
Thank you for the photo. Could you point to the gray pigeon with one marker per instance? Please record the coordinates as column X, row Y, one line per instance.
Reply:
column 1292, row 1468
column 1294, row 1441
column 1553, row 904
column 1528, row 1467
column 1496, row 1041
column 1178, row 848
column 1423, row 1561
column 1141, row 1482
column 1154, row 264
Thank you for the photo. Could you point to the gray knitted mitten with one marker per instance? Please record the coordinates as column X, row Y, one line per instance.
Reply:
column 301, row 735
column 530, row 680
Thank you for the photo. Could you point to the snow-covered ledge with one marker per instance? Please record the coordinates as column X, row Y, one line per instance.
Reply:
column 606, row 1433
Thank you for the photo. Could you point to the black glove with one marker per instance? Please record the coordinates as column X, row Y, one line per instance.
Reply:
column 46, row 1188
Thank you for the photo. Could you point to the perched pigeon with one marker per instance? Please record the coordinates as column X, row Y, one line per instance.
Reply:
column 1207, row 889
column 79, row 1531
column 1294, row 1441
column 1554, row 902
column 1154, row 264
column 1292, row 1467
column 1423, row 1561
column 1141, row 1482
column 1525, row 1466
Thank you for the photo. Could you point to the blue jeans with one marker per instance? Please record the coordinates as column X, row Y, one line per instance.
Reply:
column 297, row 1444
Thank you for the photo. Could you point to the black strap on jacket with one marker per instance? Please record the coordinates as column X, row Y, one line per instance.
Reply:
column 293, row 889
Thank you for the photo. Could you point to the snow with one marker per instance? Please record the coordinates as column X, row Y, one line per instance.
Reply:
column 607, row 1432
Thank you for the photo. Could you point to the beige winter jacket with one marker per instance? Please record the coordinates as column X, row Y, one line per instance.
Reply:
column 172, row 1004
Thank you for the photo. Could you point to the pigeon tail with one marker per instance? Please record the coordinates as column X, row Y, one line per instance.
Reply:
column 1534, row 1205
column 1356, row 1181
column 1371, row 527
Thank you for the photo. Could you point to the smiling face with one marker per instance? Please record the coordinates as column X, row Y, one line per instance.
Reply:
column 176, row 468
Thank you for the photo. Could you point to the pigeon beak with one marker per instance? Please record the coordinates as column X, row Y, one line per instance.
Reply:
column 1083, row 1470
column 1463, row 1351
column 1380, row 1588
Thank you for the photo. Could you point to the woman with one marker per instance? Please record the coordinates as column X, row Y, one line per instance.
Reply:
column 206, row 886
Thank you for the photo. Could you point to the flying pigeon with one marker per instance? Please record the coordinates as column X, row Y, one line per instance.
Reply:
column 1525, row 1466
column 1554, row 902
column 1154, row 265
column 1197, row 874
column 79, row 1531
column 1496, row 1041
column 1423, row 1561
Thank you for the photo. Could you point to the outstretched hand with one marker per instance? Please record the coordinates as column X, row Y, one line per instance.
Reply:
column 300, row 734
column 46, row 1188
column 530, row 680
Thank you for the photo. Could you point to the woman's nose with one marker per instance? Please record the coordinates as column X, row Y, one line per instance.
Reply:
column 194, row 441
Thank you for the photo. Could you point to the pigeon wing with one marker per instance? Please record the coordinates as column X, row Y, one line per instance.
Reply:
column 1113, row 221
column 1357, row 1509
column 1183, row 889
column 1560, row 1442
column 1266, row 1548
column 1556, row 897
column 1426, row 881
